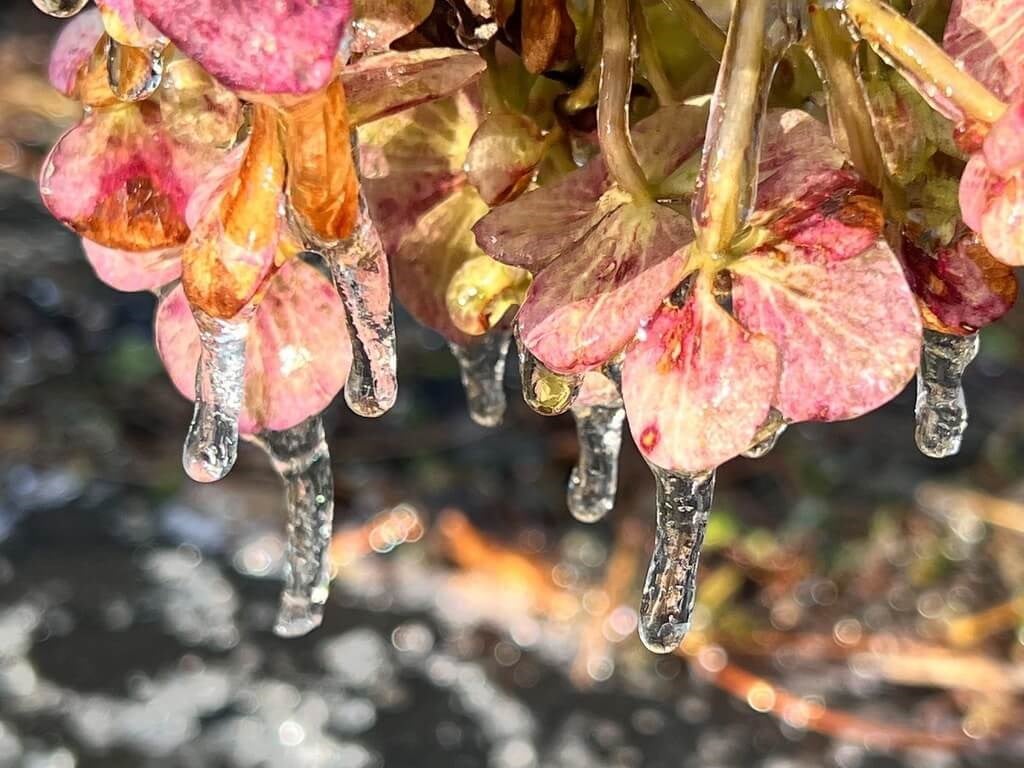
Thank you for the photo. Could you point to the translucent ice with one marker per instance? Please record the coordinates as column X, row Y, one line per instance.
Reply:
column 941, row 409
column 767, row 436
column 546, row 392
column 62, row 9
column 134, row 73
column 482, row 368
column 594, row 479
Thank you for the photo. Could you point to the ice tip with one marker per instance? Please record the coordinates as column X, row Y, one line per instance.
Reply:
column 205, row 466
column 296, row 618
column 662, row 636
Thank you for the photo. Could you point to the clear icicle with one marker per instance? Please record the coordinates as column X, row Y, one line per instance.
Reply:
column 211, row 445
column 594, row 479
column 134, row 73
column 360, row 270
column 684, row 502
column 482, row 369
column 941, row 409
column 301, row 457
column 767, row 436
column 62, row 9
column 546, row 392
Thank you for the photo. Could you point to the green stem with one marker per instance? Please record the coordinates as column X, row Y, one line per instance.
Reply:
column 709, row 36
column 613, row 102
column 835, row 52
column 917, row 55
column 650, row 60
column 729, row 165
column 585, row 94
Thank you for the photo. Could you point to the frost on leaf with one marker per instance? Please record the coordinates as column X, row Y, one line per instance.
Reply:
column 297, row 355
column 257, row 46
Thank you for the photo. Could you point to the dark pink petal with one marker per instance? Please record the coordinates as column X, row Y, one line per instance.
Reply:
column 837, row 305
column 587, row 305
column 259, row 46
column 382, row 85
column 1004, row 145
column 977, row 186
column 297, row 357
column 134, row 270
column 1001, row 223
column 987, row 38
column 698, row 385
column 73, row 49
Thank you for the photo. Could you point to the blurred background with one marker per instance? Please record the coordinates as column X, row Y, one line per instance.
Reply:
column 860, row 605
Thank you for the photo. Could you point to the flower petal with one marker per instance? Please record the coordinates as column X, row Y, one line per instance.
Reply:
column 382, row 85
column 258, row 46
column 505, row 150
column 73, row 49
column 1001, row 223
column 297, row 357
column 377, row 25
column 986, row 37
column 698, row 385
column 548, row 34
column 961, row 288
column 1004, row 144
column 834, row 300
column 134, row 270
column 588, row 304
column 125, row 24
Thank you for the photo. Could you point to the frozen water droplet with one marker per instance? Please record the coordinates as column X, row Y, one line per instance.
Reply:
column 482, row 368
column 360, row 270
column 683, row 506
column 134, row 73
column 941, row 409
column 62, row 9
column 767, row 435
column 301, row 457
column 594, row 479
column 211, row 445
column 546, row 392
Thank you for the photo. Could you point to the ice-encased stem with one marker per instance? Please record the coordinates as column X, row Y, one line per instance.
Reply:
column 211, row 445
column 594, row 479
column 683, row 506
column 941, row 408
column 546, row 392
column 759, row 33
column 301, row 457
column 482, row 369
column 360, row 270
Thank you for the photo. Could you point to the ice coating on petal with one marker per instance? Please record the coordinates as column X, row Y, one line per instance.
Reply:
column 697, row 385
column 977, row 186
column 126, row 25
column 941, row 409
column 379, row 86
column 834, row 300
column 482, row 291
column 960, row 287
column 546, row 392
column 986, row 37
column 1004, row 144
column 301, row 457
column 503, row 155
column 666, row 604
column 993, row 206
column 134, row 73
column 298, row 353
column 482, row 370
column 74, row 47
column 258, row 46
column 376, row 25
column 594, row 479
column 767, row 436
column 362, row 277
column 134, row 270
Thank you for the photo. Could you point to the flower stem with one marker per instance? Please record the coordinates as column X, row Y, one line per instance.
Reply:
column 935, row 74
column 709, row 36
column 650, row 60
column 834, row 53
column 728, row 174
column 613, row 102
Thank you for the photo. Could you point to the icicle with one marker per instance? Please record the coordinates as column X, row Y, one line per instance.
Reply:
column 211, row 445
column 134, row 73
column 684, row 502
column 594, row 479
column 301, row 457
column 62, row 9
column 546, row 392
column 767, row 436
column 941, row 410
column 482, row 368
column 360, row 269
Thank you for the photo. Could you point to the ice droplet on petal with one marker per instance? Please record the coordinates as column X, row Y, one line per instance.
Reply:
column 683, row 505
column 941, row 410
column 211, row 445
column 134, row 73
column 546, row 392
column 62, row 9
column 301, row 457
column 767, row 435
column 594, row 479
column 482, row 369
column 360, row 270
